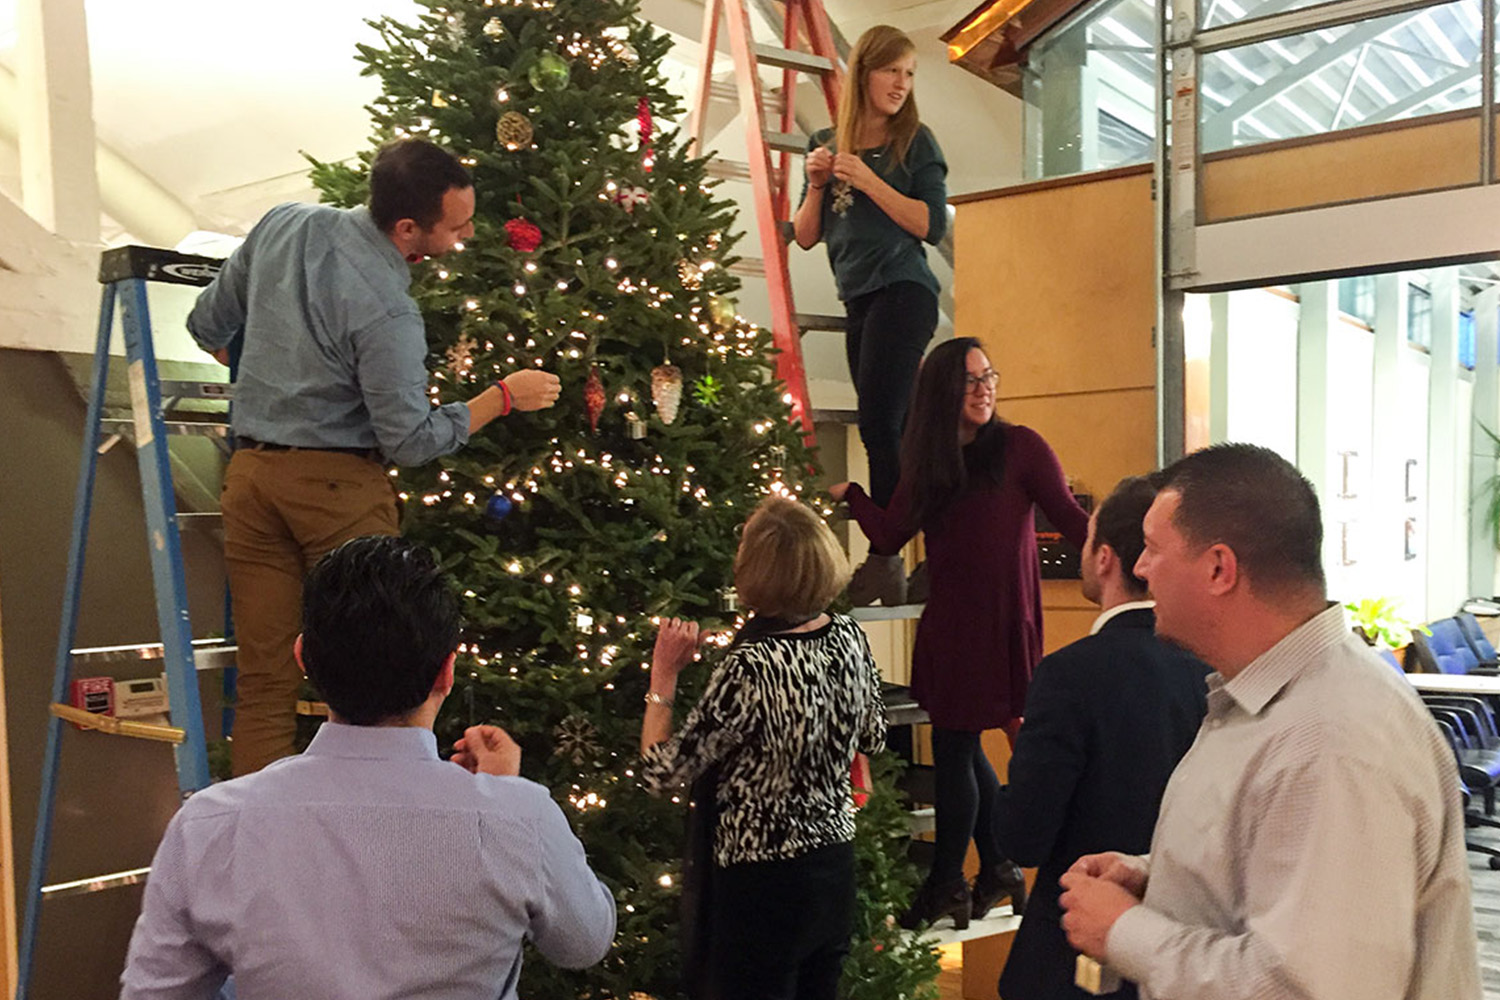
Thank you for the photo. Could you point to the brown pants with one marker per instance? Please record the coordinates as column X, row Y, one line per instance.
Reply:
column 284, row 510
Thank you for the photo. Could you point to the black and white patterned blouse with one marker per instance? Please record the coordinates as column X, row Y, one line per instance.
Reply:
column 782, row 717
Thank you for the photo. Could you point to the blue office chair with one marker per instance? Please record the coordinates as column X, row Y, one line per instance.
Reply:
column 1484, row 651
column 1445, row 650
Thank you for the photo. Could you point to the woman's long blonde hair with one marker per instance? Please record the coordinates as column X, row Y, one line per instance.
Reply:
column 876, row 48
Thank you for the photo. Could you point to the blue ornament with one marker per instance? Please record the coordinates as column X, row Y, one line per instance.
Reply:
column 498, row 506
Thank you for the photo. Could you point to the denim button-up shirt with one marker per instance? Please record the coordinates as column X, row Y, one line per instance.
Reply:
column 334, row 348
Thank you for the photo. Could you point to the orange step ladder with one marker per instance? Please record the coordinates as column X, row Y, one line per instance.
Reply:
column 772, row 186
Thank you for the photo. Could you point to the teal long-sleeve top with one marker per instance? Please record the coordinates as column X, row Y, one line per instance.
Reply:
column 866, row 248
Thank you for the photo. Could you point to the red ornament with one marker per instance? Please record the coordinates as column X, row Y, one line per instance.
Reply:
column 643, row 119
column 523, row 235
column 593, row 398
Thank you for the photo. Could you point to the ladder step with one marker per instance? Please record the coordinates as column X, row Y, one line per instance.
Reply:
column 98, row 883
column 997, row 923
column 174, row 389
column 899, row 612
column 208, row 654
column 923, row 820
column 749, row 267
column 726, row 92
column 787, row 142
column 850, row 417
column 728, row 170
column 211, row 427
column 806, row 62
column 815, row 321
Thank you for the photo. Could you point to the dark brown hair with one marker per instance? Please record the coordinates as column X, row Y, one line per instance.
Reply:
column 934, row 467
column 1257, row 503
column 408, row 180
column 1118, row 524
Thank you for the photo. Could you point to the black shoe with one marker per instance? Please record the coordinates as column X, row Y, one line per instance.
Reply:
column 916, row 584
column 879, row 578
column 994, row 884
column 933, row 903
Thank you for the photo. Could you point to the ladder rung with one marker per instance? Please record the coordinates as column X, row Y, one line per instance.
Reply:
column 196, row 390
column 883, row 614
column 727, row 92
column 118, row 727
column 922, row 820
column 831, row 416
column 816, row 321
column 200, row 428
column 208, row 654
column 806, row 62
column 729, row 170
column 98, row 883
column 787, row 142
column 749, row 267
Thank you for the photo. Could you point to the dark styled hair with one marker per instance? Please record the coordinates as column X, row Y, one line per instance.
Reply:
column 1257, row 503
column 378, row 621
column 1118, row 521
column 408, row 180
column 932, row 459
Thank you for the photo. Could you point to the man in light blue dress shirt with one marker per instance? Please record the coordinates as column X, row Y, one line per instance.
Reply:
column 368, row 868
column 331, row 385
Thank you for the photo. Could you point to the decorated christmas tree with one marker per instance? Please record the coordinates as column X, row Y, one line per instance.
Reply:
column 601, row 254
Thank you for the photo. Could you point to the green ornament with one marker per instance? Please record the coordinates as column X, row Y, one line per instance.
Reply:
column 707, row 390
column 549, row 72
column 722, row 310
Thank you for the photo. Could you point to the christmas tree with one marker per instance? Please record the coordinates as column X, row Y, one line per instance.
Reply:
column 601, row 254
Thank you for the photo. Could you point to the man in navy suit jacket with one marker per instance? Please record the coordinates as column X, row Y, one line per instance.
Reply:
column 1107, row 719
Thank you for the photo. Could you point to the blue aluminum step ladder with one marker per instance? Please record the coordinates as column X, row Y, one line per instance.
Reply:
column 124, row 273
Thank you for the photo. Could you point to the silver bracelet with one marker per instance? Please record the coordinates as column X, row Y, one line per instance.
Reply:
column 652, row 698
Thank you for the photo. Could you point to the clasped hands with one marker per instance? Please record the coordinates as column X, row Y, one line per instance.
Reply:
column 823, row 163
column 1096, row 891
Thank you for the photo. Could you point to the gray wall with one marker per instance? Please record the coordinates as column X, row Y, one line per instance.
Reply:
column 115, row 795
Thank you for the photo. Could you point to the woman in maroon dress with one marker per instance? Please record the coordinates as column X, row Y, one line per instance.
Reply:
column 969, row 480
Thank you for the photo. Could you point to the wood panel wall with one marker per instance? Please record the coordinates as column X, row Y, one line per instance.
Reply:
column 1407, row 157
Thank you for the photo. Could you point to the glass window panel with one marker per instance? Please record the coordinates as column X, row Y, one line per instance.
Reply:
column 1466, row 331
column 1357, row 298
column 1387, row 69
column 1419, row 316
column 1090, row 91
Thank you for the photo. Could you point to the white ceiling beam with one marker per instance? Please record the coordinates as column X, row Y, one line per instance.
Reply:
column 55, row 118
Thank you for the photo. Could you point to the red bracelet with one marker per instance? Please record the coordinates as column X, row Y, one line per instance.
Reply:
column 505, row 401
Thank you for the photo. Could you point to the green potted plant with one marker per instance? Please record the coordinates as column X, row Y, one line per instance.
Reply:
column 1379, row 622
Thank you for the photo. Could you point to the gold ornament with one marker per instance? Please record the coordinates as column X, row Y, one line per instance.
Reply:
column 690, row 275
column 513, row 130
column 493, row 28
column 722, row 310
column 666, row 391
column 438, row 100
column 461, row 355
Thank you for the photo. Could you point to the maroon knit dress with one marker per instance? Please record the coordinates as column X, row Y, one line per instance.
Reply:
column 980, row 635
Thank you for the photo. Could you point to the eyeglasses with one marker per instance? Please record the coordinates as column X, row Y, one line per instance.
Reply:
column 989, row 380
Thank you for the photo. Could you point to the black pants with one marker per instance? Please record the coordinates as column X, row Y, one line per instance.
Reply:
column 887, row 331
column 967, row 791
column 781, row 928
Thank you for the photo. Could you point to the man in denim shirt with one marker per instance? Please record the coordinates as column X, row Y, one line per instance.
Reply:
column 368, row 868
column 332, row 384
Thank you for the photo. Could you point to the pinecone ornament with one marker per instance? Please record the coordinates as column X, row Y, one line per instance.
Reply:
column 666, row 391
column 593, row 398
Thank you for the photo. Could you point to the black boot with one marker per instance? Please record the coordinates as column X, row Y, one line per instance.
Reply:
column 994, row 884
column 878, row 578
column 916, row 584
column 934, row 902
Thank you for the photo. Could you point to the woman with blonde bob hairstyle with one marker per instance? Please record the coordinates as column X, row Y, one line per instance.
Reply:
column 876, row 190
column 795, row 696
